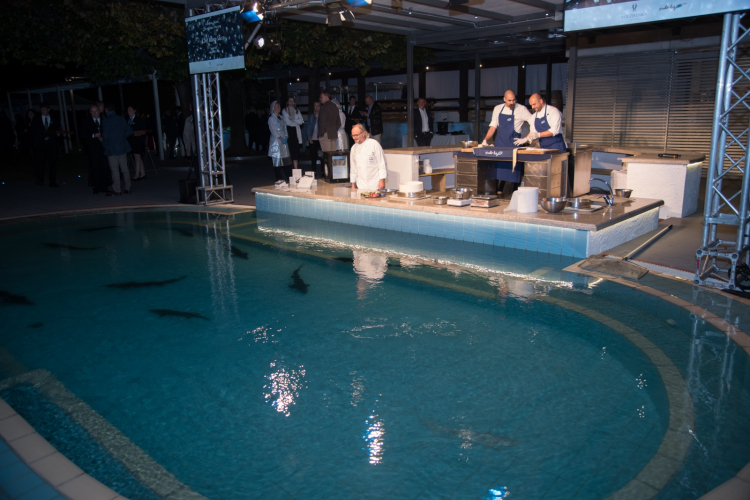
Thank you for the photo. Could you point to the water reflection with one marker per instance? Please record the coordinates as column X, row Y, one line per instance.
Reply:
column 283, row 388
column 370, row 268
column 373, row 436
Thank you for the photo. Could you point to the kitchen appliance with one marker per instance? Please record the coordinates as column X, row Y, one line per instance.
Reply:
column 459, row 203
column 469, row 144
column 484, row 201
column 442, row 128
column 336, row 166
column 440, row 200
column 553, row 205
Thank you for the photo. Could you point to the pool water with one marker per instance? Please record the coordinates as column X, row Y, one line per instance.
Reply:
column 253, row 362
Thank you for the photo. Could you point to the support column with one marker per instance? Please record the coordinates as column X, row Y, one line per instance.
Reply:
column 422, row 85
column 157, row 112
column 570, row 99
column 28, row 94
column 75, row 119
column 361, row 88
column 477, row 95
column 463, row 92
column 313, row 87
column 67, row 139
column 122, row 99
column 521, row 94
column 548, row 88
column 13, row 121
column 61, row 109
column 278, row 93
column 328, row 79
column 410, row 91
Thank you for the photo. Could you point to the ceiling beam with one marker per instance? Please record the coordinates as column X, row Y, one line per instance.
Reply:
column 417, row 15
column 321, row 19
column 488, row 32
column 540, row 4
column 465, row 10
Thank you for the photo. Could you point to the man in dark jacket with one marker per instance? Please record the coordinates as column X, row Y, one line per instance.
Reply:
column 422, row 123
column 374, row 119
column 91, row 130
column 329, row 122
column 115, row 135
column 45, row 145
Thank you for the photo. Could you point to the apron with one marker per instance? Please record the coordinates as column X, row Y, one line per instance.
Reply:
column 506, row 130
column 554, row 142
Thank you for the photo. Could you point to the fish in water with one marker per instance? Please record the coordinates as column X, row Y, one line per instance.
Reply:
column 144, row 284
column 36, row 325
column 483, row 439
column 69, row 247
column 92, row 229
column 297, row 282
column 236, row 252
column 183, row 232
column 180, row 314
column 14, row 299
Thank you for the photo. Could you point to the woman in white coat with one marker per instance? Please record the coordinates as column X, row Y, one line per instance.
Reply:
column 293, row 119
column 342, row 141
column 277, row 148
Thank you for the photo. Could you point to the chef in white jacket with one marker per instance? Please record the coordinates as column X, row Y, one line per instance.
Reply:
column 368, row 171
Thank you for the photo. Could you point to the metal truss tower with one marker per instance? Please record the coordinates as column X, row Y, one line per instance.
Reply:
column 729, row 155
column 213, row 189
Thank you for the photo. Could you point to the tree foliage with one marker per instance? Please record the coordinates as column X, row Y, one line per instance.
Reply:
column 105, row 39
column 322, row 46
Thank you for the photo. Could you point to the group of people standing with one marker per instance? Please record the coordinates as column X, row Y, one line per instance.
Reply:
column 328, row 129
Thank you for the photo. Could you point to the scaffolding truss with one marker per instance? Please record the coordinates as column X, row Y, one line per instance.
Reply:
column 719, row 258
column 213, row 189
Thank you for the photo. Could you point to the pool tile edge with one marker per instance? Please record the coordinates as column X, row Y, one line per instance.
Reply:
column 47, row 462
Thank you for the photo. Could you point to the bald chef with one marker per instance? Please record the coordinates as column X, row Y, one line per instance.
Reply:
column 507, row 119
column 546, row 125
column 368, row 170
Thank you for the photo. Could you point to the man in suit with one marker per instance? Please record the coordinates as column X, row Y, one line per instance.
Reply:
column 45, row 145
column 91, row 130
column 352, row 115
column 422, row 123
column 374, row 119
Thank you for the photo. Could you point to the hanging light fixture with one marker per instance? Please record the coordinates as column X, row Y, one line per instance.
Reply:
column 252, row 14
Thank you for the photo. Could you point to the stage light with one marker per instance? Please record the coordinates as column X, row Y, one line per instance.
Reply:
column 347, row 15
column 334, row 19
column 253, row 14
column 359, row 3
column 259, row 42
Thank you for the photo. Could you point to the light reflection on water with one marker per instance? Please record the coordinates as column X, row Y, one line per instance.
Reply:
column 373, row 436
column 283, row 388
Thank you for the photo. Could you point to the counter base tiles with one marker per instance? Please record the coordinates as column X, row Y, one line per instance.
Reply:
column 507, row 232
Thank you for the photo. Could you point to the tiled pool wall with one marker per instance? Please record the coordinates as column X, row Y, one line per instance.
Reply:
column 504, row 260
column 529, row 237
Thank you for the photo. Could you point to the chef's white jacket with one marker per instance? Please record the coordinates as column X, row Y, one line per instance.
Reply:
column 554, row 119
column 520, row 117
column 367, row 165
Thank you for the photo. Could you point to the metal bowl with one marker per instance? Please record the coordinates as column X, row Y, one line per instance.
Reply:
column 461, row 193
column 469, row 144
column 553, row 205
column 579, row 203
column 440, row 200
column 625, row 193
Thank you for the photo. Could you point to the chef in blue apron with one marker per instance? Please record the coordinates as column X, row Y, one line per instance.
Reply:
column 507, row 119
column 546, row 125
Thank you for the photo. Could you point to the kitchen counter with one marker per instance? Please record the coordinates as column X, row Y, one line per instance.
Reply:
column 423, row 150
column 623, row 209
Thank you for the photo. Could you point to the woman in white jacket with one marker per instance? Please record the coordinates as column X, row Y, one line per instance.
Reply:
column 342, row 141
column 293, row 119
column 277, row 146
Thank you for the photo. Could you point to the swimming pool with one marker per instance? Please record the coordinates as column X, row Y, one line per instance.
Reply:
column 266, row 356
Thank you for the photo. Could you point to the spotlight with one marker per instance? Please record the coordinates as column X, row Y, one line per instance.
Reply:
column 347, row 15
column 253, row 14
column 259, row 42
column 334, row 19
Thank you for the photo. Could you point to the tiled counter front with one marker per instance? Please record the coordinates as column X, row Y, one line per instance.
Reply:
column 532, row 237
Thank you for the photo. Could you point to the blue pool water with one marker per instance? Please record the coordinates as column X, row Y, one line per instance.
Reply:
column 311, row 369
